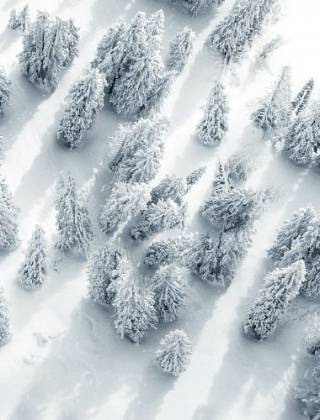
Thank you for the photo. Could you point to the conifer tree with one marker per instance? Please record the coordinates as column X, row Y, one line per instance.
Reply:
column 71, row 34
column 5, row 334
column 214, row 124
column 47, row 51
column 84, row 100
column 107, row 270
column 13, row 22
column 280, row 288
column 19, row 20
column 141, row 149
column 236, row 33
column 171, row 187
column 174, row 353
column 180, row 50
column 232, row 209
column 195, row 176
column 274, row 112
column 73, row 221
column 8, row 218
column 303, row 97
column 124, row 202
column 301, row 141
column 5, row 91
column 33, row 271
column 308, row 393
column 169, row 292
column 293, row 228
column 155, row 218
column 269, row 48
column 199, row 6
column 134, row 311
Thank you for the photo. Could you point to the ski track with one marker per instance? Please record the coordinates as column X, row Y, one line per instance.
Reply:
column 82, row 370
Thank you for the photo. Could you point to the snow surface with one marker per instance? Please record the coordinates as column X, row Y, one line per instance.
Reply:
column 65, row 362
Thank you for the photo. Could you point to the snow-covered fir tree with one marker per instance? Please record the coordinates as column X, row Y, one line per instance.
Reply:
column 233, row 209
column 169, row 290
column 214, row 124
column 84, row 100
column 107, row 270
column 280, row 288
column 71, row 42
column 302, row 139
column 140, row 150
column 174, row 353
column 180, row 50
column 195, row 176
column 215, row 261
column 157, row 217
column 134, row 309
column 176, row 249
column 200, row 6
column 73, row 221
column 171, row 187
column 308, row 393
column 301, row 100
column 235, row 34
column 33, row 271
column 130, row 57
column 293, row 228
column 5, row 333
column 48, row 47
column 275, row 110
column 124, row 202
column 8, row 218
column 5, row 91
column 269, row 48
column 19, row 20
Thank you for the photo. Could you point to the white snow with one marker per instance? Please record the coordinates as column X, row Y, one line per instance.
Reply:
column 65, row 362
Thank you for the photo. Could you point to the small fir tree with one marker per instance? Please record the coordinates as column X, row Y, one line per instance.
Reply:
column 5, row 334
column 13, row 22
column 174, row 353
column 281, row 287
column 33, row 271
column 84, row 100
column 134, row 311
column 214, row 125
column 5, row 91
column 308, row 394
column 107, row 270
column 171, row 187
column 155, row 218
column 194, row 177
column 199, row 6
column 274, row 112
column 73, row 221
column 19, row 20
column 124, row 202
column 303, row 97
column 169, row 293
column 180, row 50
column 8, row 218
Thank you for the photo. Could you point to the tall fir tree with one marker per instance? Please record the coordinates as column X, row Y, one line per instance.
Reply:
column 236, row 33
column 84, row 100
column 5, row 333
column 73, row 221
column 275, row 110
column 5, row 91
column 174, row 353
column 134, row 311
column 124, row 202
column 180, row 50
column 214, row 124
column 301, row 100
column 47, row 51
column 169, row 291
column 140, row 150
column 33, row 271
column 280, row 288
column 107, row 271
column 8, row 218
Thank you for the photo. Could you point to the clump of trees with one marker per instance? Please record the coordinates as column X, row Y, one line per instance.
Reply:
column 49, row 47
column 180, row 50
column 236, row 33
column 214, row 124
column 33, row 271
column 174, row 353
column 129, row 55
column 74, row 226
column 281, row 287
column 85, row 99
